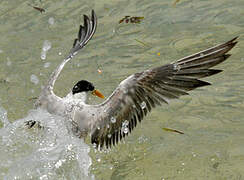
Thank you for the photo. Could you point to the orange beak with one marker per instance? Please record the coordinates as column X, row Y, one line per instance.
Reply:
column 97, row 93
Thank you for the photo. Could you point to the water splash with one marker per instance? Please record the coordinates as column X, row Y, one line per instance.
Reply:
column 49, row 153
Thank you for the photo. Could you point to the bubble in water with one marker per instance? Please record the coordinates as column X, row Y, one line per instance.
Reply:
column 113, row 119
column 34, row 79
column 46, row 45
column 143, row 105
column 59, row 53
column 51, row 20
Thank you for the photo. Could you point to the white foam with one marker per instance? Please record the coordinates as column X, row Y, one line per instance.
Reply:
column 49, row 153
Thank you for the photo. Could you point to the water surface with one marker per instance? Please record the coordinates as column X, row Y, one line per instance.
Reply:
column 212, row 118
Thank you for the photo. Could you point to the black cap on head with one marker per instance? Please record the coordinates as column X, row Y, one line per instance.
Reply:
column 82, row 86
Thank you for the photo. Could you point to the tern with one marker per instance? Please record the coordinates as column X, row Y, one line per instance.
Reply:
column 109, row 122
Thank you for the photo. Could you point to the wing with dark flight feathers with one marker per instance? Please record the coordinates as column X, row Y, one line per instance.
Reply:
column 140, row 92
column 85, row 33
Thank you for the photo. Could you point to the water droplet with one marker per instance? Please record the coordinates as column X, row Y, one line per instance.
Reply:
column 51, row 20
column 59, row 163
column 69, row 147
column 113, row 119
column 59, row 53
column 98, row 127
column 126, row 130
column 43, row 55
column 46, row 45
column 34, row 79
column 109, row 135
column 98, row 160
column 44, row 177
column 94, row 145
column 175, row 66
column 143, row 105
column 125, row 126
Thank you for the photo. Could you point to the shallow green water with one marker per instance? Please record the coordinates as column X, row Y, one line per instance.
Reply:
column 212, row 118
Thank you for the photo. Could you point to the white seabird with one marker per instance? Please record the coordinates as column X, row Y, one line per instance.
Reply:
column 108, row 122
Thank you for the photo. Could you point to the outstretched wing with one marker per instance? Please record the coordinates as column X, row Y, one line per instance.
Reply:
column 140, row 92
column 85, row 33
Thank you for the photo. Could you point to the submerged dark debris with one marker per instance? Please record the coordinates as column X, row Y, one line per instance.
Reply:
column 41, row 10
column 130, row 19
column 173, row 130
column 33, row 98
column 175, row 2
column 31, row 123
